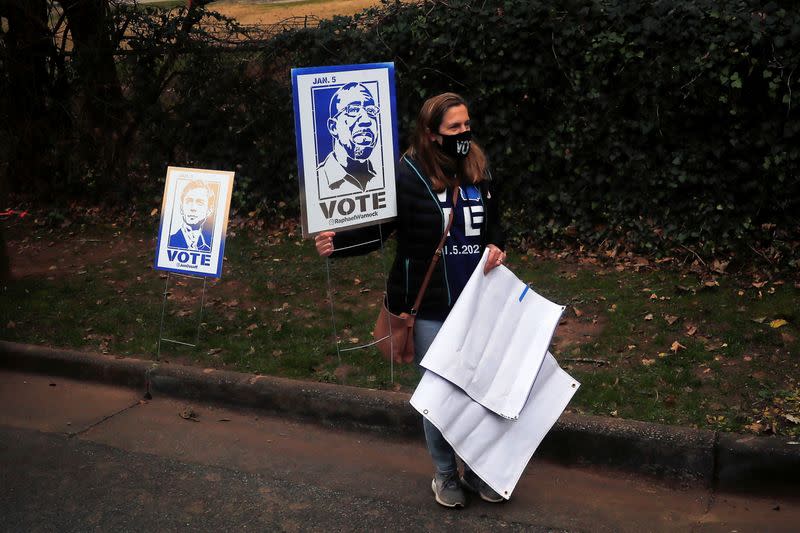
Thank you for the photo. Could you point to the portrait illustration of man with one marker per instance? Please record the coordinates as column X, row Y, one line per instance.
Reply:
column 196, row 206
column 353, row 127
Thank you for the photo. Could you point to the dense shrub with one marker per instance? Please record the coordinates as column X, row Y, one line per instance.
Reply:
column 657, row 124
column 652, row 125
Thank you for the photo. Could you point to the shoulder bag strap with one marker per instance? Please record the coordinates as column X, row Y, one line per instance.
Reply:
column 436, row 255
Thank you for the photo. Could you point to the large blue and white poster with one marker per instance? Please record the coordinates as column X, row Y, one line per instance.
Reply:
column 194, row 221
column 346, row 131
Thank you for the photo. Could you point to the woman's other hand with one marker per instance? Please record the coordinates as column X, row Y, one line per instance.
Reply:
column 324, row 242
column 496, row 258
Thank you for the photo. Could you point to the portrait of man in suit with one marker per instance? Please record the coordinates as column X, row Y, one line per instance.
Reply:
column 196, row 206
column 353, row 127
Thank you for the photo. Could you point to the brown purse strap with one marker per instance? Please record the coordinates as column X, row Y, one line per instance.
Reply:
column 436, row 255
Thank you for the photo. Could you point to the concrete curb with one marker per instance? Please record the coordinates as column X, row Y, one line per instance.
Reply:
column 722, row 460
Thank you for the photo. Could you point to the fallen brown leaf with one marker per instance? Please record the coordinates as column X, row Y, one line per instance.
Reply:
column 671, row 319
column 793, row 419
column 756, row 427
column 189, row 414
column 719, row 266
column 713, row 346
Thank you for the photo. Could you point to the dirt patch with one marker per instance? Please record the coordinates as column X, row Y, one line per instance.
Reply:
column 237, row 295
column 572, row 331
column 54, row 256
column 257, row 12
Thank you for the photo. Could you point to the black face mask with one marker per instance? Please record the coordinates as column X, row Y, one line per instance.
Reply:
column 458, row 145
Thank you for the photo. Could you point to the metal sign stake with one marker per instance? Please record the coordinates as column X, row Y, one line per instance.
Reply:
column 333, row 314
column 163, row 313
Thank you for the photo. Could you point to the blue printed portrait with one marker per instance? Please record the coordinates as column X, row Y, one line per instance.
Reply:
column 347, row 125
column 194, row 228
column 346, row 132
column 194, row 221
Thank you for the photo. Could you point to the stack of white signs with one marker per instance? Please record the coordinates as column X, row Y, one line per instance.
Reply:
column 492, row 388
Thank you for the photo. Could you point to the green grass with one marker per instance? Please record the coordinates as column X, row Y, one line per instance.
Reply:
column 734, row 370
column 270, row 314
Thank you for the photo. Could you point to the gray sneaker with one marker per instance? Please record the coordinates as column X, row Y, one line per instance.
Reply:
column 447, row 490
column 475, row 484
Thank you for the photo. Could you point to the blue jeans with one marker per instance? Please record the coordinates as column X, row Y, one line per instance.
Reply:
column 444, row 458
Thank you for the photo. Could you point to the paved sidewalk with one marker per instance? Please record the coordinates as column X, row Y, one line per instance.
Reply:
column 723, row 461
column 99, row 457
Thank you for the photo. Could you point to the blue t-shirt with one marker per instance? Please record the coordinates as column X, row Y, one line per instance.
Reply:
column 462, row 247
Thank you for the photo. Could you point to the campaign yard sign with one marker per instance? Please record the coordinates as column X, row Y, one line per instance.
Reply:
column 194, row 221
column 346, row 134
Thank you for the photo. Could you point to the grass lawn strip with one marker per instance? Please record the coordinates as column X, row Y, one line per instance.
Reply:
column 648, row 343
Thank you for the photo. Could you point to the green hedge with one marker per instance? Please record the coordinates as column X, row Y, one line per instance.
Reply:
column 656, row 125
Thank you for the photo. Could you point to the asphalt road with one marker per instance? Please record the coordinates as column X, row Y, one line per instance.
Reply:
column 80, row 456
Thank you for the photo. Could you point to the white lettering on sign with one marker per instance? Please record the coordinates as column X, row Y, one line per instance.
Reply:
column 475, row 217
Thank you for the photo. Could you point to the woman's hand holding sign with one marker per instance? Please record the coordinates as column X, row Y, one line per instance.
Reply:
column 324, row 242
column 495, row 258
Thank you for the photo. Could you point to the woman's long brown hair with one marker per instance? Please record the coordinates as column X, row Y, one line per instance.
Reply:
column 443, row 170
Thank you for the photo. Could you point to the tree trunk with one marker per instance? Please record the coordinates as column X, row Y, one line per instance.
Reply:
column 26, row 39
column 103, row 105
